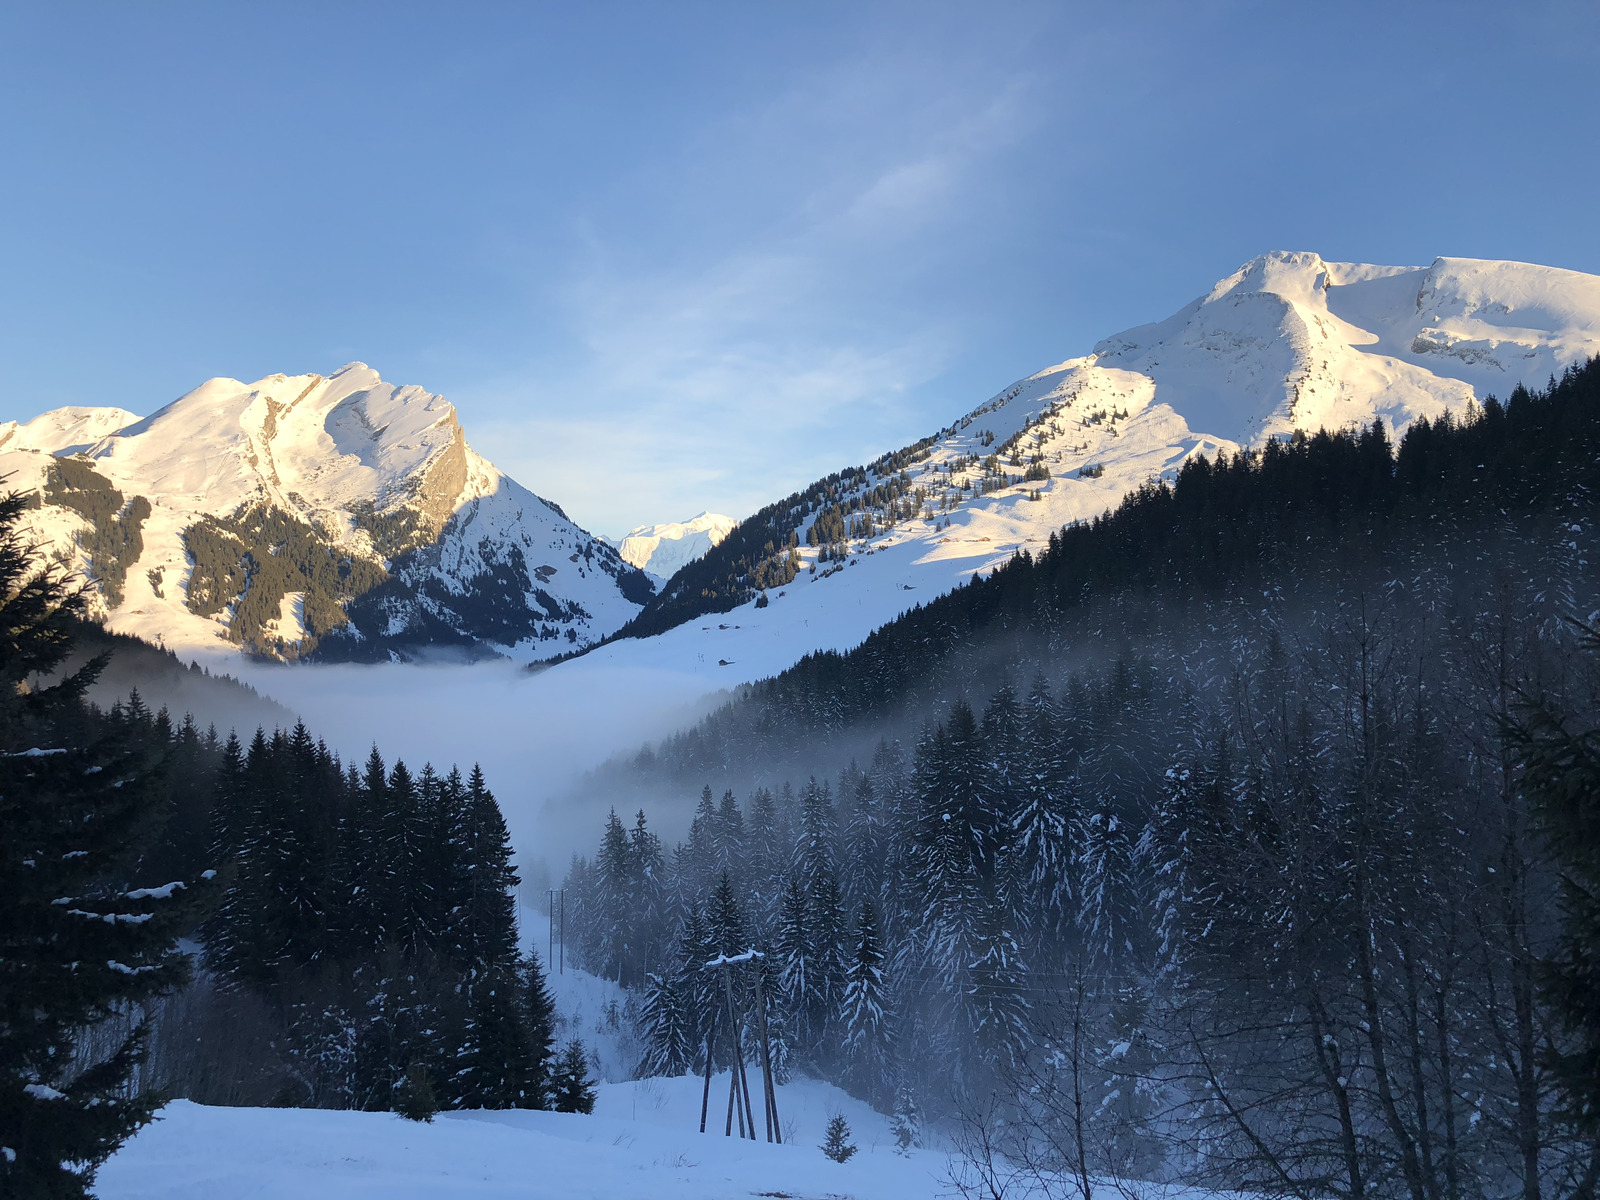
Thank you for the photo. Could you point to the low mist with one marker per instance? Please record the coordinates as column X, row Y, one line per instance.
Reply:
column 534, row 735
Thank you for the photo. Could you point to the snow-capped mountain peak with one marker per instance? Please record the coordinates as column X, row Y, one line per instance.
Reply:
column 662, row 549
column 342, row 516
column 1290, row 341
column 64, row 430
column 312, row 444
column 1287, row 342
column 335, row 515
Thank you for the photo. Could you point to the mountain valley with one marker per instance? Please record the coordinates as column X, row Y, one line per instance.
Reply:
column 342, row 518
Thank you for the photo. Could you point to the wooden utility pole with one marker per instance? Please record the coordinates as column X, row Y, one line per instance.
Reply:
column 769, row 1094
column 711, row 1042
column 736, row 1025
column 739, row 1082
column 733, row 1105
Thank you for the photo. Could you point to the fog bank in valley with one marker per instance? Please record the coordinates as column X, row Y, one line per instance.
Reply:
column 534, row 735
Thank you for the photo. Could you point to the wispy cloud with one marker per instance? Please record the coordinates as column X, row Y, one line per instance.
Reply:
column 790, row 348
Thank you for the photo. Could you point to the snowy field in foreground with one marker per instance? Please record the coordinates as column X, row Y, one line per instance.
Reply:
column 642, row 1141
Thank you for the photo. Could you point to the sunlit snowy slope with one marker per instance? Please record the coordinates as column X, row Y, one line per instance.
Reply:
column 335, row 516
column 342, row 517
column 1286, row 342
column 662, row 549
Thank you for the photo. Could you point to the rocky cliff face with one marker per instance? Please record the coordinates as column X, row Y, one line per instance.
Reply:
column 330, row 517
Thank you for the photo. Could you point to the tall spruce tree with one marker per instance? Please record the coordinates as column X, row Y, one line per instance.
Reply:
column 814, row 850
column 611, row 921
column 864, row 843
column 488, row 922
column 796, row 956
column 725, row 918
column 830, row 955
column 1004, row 773
column 362, row 870
column 1560, row 760
column 1110, row 917
column 1037, row 876
column 696, row 945
column 666, row 1029
column 728, row 837
column 697, row 857
column 539, row 1013
column 947, row 885
column 77, row 943
column 651, row 890
column 498, row 1063
column 228, row 800
column 864, row 1016
column 405, row 888
column 766, row 861
column 446, row 863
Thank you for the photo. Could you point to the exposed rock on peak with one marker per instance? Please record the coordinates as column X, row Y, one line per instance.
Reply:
column 333, row 516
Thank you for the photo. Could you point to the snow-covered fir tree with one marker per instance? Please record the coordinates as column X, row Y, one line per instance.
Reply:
column 666, row 1029
column 864, row 1017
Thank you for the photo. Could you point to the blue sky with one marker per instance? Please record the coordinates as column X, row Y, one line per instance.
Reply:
column 680, row 256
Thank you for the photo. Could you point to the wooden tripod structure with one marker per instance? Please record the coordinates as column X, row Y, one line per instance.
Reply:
column 739, row 1081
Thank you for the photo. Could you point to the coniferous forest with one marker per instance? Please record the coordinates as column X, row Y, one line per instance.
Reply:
column 185, row 914
column 1249, row 836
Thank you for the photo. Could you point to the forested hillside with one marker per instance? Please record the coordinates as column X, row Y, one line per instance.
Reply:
column 756, row 553
column 165, row 681
column 1289, row 343
column 1244, row 836
column 361, row 942
column 351, row 933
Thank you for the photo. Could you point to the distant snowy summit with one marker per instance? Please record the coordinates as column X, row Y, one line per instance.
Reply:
column 342, row 517
column 662, row 549
column 1287, row 342
column 310, row 516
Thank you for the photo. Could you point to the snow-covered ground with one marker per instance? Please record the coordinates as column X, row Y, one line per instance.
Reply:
column 587, row 1006
column 642, row 1141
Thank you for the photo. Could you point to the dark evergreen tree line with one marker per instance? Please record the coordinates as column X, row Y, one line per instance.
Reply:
column 372, row 910
column 1293, row 924
column 1248, row 520
column 358, row 926
column 1278, row 876
column 375, row 909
